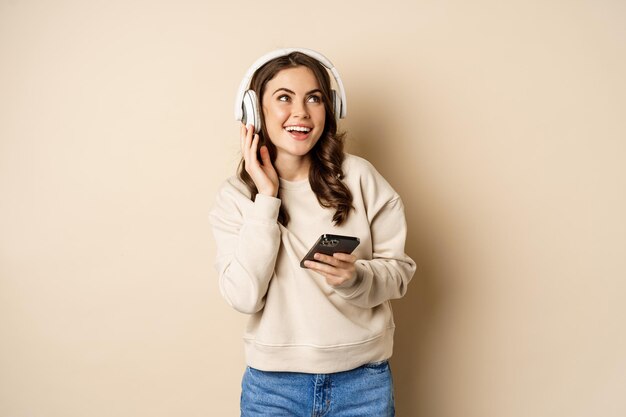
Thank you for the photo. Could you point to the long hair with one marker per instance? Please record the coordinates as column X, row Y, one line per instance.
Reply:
column 327, row 155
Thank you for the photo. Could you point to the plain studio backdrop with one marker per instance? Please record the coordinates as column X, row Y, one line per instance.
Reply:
column 502, row 124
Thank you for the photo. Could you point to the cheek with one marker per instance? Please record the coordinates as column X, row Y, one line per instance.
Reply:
column 275, row 113
column 320, row 117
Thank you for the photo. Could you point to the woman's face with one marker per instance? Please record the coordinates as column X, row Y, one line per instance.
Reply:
column 293, row 111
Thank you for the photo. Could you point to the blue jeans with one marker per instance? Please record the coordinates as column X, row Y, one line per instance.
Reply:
column 366, row 391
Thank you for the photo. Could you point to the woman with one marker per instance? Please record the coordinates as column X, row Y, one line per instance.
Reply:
column 319, row 337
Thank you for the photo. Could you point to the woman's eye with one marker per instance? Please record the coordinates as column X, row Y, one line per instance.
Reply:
column 315, row 99
column 284, row 97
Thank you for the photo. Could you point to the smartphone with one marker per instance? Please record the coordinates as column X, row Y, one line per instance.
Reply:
column 330, row 244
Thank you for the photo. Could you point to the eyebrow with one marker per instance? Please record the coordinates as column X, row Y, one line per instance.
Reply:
column 317, row 90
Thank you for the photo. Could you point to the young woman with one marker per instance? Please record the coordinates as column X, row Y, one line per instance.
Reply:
column 318, row 337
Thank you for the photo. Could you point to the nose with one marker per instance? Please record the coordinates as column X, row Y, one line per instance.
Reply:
column 300, row 109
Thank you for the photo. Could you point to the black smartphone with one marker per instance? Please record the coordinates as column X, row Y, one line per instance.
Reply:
column 330, row 244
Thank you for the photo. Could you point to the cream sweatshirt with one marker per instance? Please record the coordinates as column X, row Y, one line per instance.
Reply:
column 298, row 322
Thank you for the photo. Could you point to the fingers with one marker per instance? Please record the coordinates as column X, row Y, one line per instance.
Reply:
column 248, row 145
column 261, row 172
column 338, row 260
column 245, row 134
column 265, row 156
column 345, row 257
column 333, row 276
column 254, row 146
column 336, row 269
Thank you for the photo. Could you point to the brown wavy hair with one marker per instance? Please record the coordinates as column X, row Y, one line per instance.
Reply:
column 326, row 156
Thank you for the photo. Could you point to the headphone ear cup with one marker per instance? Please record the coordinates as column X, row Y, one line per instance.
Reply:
column 336, row 105
column 250, row 107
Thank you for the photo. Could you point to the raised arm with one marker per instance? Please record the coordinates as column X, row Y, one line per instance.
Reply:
column 247, row 236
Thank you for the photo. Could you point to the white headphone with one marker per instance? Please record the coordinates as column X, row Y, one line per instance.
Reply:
column 247, row 106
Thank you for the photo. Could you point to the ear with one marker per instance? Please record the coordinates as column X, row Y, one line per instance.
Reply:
column 251, row 115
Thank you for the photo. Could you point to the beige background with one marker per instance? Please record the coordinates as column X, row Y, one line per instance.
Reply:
column 501, row 123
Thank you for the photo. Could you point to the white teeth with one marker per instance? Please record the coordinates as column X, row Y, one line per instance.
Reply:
column 298, row 129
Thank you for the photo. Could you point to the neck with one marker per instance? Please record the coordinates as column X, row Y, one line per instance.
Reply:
column 293, row 168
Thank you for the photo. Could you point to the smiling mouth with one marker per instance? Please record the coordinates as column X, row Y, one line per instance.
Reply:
column 298, row 129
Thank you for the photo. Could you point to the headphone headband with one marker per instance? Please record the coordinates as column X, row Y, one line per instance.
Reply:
column 245, row 82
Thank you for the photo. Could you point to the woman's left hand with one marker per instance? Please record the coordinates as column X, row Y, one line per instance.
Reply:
column 337, row 269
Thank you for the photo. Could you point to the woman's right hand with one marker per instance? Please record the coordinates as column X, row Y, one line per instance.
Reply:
column 262, row 173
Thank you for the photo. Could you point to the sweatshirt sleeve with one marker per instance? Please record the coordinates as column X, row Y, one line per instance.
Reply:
column 247, row 237
column 387, row 275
